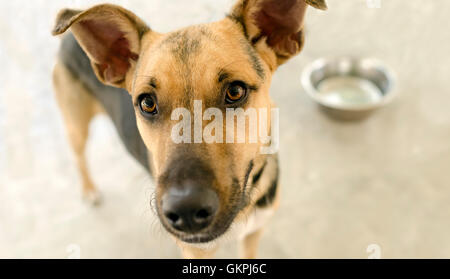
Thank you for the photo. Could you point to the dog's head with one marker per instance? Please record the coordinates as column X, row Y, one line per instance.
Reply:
column 183, row 84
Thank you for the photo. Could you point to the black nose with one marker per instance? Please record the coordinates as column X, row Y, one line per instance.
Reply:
column 189, row 208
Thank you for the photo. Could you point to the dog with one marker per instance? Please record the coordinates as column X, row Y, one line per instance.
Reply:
column 112, row 62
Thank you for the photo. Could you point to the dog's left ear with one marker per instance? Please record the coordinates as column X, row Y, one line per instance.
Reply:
column 111, row 37
column 274, row 25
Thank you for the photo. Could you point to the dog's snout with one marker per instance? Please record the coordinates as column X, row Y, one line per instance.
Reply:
column 189, row 208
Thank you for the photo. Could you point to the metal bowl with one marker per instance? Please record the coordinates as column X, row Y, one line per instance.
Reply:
column 349, row 88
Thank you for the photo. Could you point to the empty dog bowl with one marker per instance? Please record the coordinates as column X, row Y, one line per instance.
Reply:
column 348, row 88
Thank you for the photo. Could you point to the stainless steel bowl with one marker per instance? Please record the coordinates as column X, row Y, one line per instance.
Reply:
column 349, row 88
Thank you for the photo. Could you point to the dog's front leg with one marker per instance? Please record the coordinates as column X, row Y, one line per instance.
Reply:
column 249, row 245
column 192, row 252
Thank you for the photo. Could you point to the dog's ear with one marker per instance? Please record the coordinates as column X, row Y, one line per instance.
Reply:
column 110, row 36
column 274, row 24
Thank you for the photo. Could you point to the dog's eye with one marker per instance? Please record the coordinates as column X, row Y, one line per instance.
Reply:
column 235, row 92
column 147, row 104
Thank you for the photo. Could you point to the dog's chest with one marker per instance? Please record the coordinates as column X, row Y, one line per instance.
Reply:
column 254, row 222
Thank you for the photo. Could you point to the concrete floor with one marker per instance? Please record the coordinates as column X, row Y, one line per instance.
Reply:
column 354, row 190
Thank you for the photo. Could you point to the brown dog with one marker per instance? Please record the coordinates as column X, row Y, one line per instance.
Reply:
column 205, row 190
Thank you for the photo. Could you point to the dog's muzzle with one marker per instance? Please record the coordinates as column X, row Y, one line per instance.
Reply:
column 189, row 208
column 188, row 202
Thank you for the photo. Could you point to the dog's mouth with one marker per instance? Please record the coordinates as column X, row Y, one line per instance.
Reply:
column 220, row 227
column 200, row 237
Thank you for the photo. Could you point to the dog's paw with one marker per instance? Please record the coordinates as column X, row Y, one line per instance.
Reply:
column 92, row 198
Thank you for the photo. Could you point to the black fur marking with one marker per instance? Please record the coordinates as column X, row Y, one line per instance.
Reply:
column 271, row 193
column 257, row 175
column 223, row 75
column 186, row 48
column 256, row 63
column 117, row 102
column 184, row 43
column 237, row 17
column 153, row 82
column 247, row 174
column 239, row 20
column 256, row 39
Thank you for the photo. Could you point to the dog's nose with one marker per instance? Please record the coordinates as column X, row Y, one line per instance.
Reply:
column 189, row 208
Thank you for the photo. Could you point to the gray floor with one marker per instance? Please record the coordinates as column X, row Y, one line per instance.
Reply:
column 376, row 188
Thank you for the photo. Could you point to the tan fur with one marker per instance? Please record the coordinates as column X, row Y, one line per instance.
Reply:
column 192, row 252
column 249, row 245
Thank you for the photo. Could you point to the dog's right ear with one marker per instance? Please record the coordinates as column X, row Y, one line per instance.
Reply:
column 274, row 27
column 110, row 36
